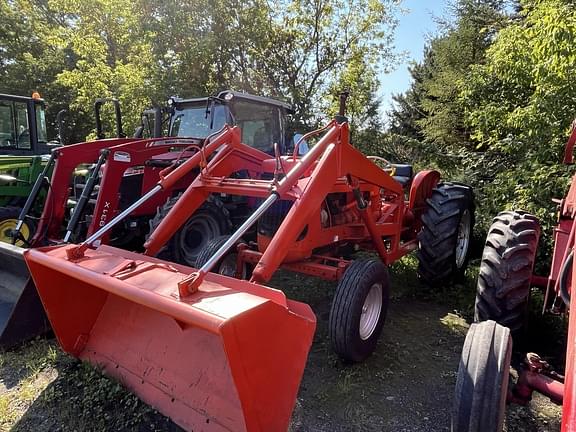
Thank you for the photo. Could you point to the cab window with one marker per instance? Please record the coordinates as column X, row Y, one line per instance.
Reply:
column 260, row 124
column 7, row 136
column 22, row 126
column 192, row 121
column 41, row 123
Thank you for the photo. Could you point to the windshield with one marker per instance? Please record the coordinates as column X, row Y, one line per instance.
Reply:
column 261, row 124
column 192, row 121
column 41, row 123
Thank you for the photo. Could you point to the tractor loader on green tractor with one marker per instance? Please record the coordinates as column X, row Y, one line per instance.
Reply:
column 212, row 346
column 123, row 169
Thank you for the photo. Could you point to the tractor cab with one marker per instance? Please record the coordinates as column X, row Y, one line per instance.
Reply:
column 23, row 125
column 262, row 120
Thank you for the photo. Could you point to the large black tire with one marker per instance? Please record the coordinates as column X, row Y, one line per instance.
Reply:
column 446, row 234
column 359, row 309
column 211, row 220
column 506, row 269
column 8, row 221
column 227, row 264
column 482, row 382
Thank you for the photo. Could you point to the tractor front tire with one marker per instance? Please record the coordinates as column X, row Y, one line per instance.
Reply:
column 359, row 309
column 8, row 221
column 506, row 269
column 210, row 221
column 482, row 382
column 446, row 234
column 227, row 264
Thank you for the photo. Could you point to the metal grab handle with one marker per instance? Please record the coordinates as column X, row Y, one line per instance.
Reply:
column 33, row 195
column 309, row 135
column 85, row 196
column 60, row 125
column 118, row 113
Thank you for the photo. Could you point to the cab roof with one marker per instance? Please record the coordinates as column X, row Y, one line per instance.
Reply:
column 15, row 98
column 225, row 95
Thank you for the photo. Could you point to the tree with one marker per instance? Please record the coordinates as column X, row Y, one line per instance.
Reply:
column 316, row 41
column 145, row 51
column 407, row 112
column 520, row 103
column 28, row 62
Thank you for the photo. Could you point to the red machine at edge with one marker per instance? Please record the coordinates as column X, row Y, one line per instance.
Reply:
column 482, row 389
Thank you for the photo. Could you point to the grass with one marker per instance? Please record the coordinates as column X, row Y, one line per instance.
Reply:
column 22, row 379
column 41, row 387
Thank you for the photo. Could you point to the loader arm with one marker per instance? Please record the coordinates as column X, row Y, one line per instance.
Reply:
column 308, row 182
column 169, row 177
column 121, row 158
column 225, row 163
column 569, row 149
column 339, row 159
column 67, row 159
column 215, row 179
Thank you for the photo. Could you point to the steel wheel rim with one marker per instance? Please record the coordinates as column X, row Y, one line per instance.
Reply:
column 197, row 233
column 371, row 310
column 7, row 225
column 463, row 240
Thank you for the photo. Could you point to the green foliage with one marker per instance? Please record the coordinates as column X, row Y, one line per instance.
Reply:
column 519, row 105
column 142, row 52
column 492, row 101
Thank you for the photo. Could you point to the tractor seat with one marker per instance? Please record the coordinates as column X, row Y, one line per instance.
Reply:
column 403, row 174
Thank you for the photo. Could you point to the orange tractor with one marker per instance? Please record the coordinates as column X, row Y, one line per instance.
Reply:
column 216, row 352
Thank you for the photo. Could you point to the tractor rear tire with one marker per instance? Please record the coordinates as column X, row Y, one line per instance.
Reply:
column 210, row 221
column 482, row 382
column 227, row 264
column 8, row 221
column 506, row 268
column 359, row 309
column 446, row 234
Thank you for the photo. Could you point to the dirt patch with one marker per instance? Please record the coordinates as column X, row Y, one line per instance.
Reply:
column 407, row 385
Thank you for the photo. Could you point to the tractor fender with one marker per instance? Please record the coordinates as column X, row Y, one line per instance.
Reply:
column 422, row 186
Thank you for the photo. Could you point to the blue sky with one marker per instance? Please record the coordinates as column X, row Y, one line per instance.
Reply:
column 413, row 28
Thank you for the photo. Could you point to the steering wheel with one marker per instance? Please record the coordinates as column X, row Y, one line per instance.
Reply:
column 385, row 164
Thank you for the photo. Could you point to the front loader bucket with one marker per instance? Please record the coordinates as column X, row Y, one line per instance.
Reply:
column 229, row 357
column 21, row 313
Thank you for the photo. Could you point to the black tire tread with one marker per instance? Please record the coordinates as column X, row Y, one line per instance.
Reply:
column 345, row 302
column 482, row 381
column 168, row 251
column 210, row 249
column 436, row 255
column 503, row 288
column 12, row 212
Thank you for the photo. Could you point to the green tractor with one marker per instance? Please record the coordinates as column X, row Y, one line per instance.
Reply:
column 24, row 150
